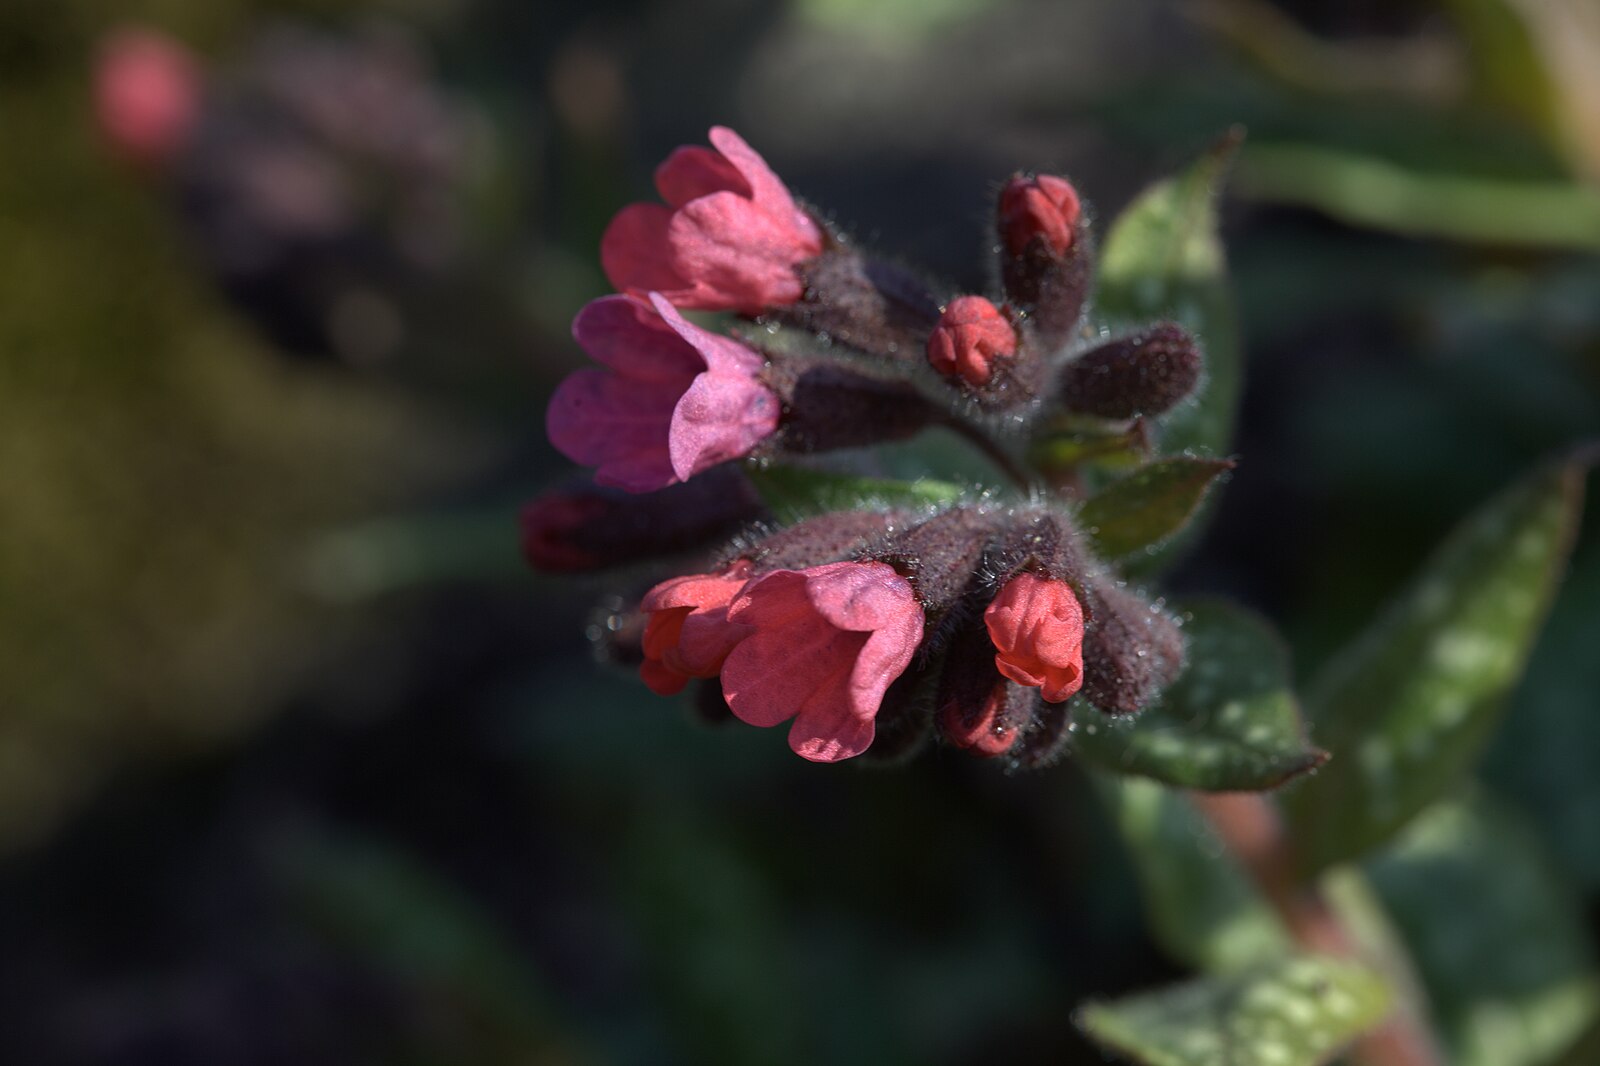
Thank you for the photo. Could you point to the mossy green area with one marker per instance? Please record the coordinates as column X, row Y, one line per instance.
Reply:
column 162, row 469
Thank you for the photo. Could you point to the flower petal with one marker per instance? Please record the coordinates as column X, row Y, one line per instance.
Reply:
column 628, row 335
column 735, row 254
column 636, row 255
column 692, row 171
column 617, row 424
column 767, row 190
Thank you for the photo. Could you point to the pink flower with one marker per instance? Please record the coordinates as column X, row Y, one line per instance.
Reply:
column 972, row 335
column 676, row 400
column 1036, row 624
column 688, row 634
column 146, row 94
column 1045, row 206
column 728, row 237
column 825, row 645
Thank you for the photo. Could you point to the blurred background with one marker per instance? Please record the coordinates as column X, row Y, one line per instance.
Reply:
column 298, row 763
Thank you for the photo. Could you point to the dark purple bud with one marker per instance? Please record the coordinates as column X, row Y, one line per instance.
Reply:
column 1131, row 649
column 902, row 725
column 1047, row 738
column 1143, row 374
column 868, row 304
column 977, row 709
column 826, row 538
column 827, row 406
column 585, row 527
column 941, row 556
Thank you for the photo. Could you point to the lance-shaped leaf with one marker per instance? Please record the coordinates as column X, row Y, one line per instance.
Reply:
column 1200, row 905
column 1499, row 941
column 1407, row 709
column 1295, row 1012
column 1230, row 723
column 793, row 492
column 1150, row 506
column 1162, row 258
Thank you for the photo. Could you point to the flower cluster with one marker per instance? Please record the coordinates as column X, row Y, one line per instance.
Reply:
column 873, row 626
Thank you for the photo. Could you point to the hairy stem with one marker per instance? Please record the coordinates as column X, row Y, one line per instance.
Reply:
column 1020, row 476
column 1253, row 831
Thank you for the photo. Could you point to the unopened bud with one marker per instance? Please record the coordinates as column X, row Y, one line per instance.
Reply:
column 586, row 527
column 1143, row 374
column 1131, row 649
column 1046, row 263
column 979, row 710
column 868, row 304
column 825, row 538
column 827, row 405
column 1048, row 737
column 1046, row 207
column 971, row 337
column 940, row 556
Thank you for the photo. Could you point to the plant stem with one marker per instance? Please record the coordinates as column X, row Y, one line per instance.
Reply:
column 1023, row 478
column 1253, row 831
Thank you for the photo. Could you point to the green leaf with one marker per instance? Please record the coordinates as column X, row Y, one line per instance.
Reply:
column 1201, row 908
column 1498, row 939
column 1508, row 70
column 1366, row 190
column 1149, row 507
column 1072, row 446
column 1163, row 258
column 1407, row 709
column 1230, row 723
column 793, row 492
column 1294, row 1012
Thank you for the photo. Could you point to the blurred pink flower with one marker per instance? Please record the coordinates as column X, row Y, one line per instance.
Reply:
column 728, row 237
column 826, row 644
column 688, row 634
column 146, row 94
column 675, row 400
column 1036, row 624
column 972, row 335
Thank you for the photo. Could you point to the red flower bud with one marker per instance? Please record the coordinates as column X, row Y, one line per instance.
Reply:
column 1045, row 206
column 1036, row 624
column 971, row 337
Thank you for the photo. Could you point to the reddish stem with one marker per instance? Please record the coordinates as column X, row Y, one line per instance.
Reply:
column 1253, row 831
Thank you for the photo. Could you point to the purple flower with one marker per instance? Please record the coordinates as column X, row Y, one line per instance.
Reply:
column 675, row 399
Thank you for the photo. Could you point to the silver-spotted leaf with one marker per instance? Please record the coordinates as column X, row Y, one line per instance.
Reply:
column 1406, row 710
column 1298, row 1011
column 1497, row 938
column 1230, row 723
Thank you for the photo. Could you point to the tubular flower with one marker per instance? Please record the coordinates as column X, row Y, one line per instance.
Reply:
column 728, row 237
column 675, row 400
column 825, row 645
column 1036, row 625
column 688, row 633
column 972, row 335
column 1045, row 206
